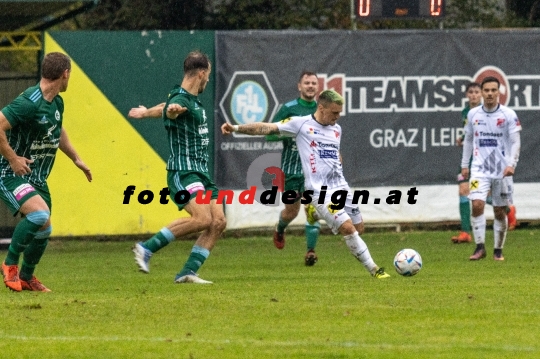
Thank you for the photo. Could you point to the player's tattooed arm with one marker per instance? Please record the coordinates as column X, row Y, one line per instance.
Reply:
column 253, row 129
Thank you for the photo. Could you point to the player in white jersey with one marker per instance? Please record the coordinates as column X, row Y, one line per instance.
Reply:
column 318, row 140
column 492, row 137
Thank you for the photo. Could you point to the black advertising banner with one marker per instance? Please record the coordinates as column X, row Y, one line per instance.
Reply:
column 404, row 92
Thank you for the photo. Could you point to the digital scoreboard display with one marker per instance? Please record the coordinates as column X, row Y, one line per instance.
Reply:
column 396, row 9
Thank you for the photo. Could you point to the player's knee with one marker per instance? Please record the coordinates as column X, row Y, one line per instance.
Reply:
column 38, row 217
column 44, row 233
column 219, row 223
column 347, row 228
column 290, row 211
column 359, row 227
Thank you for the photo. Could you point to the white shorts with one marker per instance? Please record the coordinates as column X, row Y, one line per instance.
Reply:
column 334, row 218
column 501, row 190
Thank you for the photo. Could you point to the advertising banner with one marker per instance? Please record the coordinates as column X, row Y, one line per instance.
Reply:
column 404, row 92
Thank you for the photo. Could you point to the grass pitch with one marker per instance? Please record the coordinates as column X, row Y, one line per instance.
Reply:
column 266, row 304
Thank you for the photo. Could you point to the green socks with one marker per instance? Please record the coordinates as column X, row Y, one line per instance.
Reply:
column 312, row 235
column 195, row 261
column 282, row 224
column 33, row 253
column 24, row 232
column 465, row 214
column 159, row 240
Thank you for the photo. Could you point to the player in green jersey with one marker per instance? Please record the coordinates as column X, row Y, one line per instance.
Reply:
column 187, row 171
column 30, row 134
column 308, row 86
column 474, row 95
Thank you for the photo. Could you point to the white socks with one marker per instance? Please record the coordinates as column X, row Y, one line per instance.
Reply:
column 479, row 229
column 499, row 231
column 360, row 250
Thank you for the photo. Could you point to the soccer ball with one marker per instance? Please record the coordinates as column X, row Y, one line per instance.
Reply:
column 407, row 262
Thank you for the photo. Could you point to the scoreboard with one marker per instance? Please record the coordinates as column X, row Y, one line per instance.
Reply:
column 400, row 9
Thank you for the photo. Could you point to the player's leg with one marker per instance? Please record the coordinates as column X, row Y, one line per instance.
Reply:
column 177, row 181
column 479, row 188
column 348, row 222
column 289, row 213
column 510, row 213
column 286, row 216
column 313, row 229
column 204, row 244
column 464, row 212
column 20, row 196
column 502, row 199
column 35, row 250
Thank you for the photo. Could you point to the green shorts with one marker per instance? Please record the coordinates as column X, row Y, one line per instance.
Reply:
column 295, row 183
column 189, row 182
column 15, row 191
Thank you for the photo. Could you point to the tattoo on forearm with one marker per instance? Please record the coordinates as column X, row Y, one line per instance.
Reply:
column 258, row 129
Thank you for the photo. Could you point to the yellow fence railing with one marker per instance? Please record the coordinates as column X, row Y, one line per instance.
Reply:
column 17, row 41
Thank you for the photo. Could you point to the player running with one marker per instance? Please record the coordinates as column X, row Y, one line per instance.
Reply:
column 308, row 85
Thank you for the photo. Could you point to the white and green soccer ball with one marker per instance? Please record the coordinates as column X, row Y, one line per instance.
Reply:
column 407, row 262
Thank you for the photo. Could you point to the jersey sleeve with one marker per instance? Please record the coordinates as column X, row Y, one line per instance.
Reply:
column 289, row 127
column 19, row 111
column 179, row 100
column 280, row 115
column 514, row 125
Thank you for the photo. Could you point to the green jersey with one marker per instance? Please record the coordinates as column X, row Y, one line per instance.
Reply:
column 35, row 133
column 464, row 114
column 290, row 160
column 187, row 134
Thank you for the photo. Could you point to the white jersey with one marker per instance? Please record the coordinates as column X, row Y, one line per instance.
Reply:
column 491, row 140
column 318, row 147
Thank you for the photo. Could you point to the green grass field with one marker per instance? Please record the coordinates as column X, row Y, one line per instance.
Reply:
column 266, row 304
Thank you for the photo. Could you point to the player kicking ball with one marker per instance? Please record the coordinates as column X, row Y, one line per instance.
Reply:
column 318, row 138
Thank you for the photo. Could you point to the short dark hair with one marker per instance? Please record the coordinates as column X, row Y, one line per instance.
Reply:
column 196, row 60
column 471, row 85
column 54, row 64
column 490, row 79
column 306, row 73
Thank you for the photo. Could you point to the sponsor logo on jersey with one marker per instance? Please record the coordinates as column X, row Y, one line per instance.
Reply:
column 312, row 163
column 314, row 131
column 478, row 122
column 518, row 123
column 23, row 190
column 332, row 210
column 336, row 133
column 43, row 120
column 488, row 142
column 490, row 134
column 203, row 129
column 313, row 144
column 326, row 145
column 328, row 154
